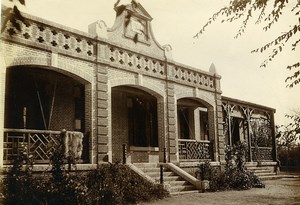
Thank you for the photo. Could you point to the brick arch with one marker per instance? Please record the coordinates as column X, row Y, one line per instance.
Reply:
column 145, row 86
column 70, row 70
column 198, row 97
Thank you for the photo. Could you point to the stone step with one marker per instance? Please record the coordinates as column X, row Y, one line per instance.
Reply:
column 182, row 188
column 157, row 174
column 170, row 178
column 265, row 174
column 184, row 192
column 152, row 169
column 177, row 183
column 259, row 170
column 147, row 165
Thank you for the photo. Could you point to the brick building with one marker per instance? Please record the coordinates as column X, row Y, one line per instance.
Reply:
column 119, row 86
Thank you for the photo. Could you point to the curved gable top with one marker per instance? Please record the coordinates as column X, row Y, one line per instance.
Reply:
column 132, row 27
column 134, row 7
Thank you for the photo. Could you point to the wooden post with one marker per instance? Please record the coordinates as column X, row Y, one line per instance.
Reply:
column 124, row 153
column 248, row 113
column 165, row 157
column 161, row 174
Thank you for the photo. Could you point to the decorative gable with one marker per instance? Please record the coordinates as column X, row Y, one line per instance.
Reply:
column 131, row 29
column 136, row 22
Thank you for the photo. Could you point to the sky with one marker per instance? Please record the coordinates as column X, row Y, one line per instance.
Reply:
column 175, row 22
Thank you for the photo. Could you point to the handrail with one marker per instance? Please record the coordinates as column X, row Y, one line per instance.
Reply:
column 32, row 131
column 191, row 140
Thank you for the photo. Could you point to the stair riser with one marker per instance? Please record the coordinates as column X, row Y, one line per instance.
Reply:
column 265, row 174
column 158, row 174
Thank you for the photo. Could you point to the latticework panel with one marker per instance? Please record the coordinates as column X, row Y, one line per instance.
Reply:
column 262, row 153
column 39, row 144
column 190, row 150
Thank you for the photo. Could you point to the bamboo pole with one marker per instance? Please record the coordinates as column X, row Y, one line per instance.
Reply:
column 40, row 102
column 52, row 104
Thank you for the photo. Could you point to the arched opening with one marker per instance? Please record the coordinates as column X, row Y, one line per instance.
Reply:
column 41, row 102
column 134, row 123
column 194, row 121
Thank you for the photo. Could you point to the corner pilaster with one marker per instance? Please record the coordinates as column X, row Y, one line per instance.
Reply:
column 102, row 115
column 171, row 123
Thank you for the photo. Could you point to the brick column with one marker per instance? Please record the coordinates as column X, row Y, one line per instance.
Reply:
column 197, row 124
column 102, row 114
column 220, row 138
column 161, row 127
column 220, row 130
column 171, row 123
column 2, row 105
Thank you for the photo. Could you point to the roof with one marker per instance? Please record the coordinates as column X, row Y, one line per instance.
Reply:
column 249, row 104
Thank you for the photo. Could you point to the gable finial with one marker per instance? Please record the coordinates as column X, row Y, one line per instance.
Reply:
column 212, row 68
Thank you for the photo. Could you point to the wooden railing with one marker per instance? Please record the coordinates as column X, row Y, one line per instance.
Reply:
column 194, row 150
column 262, row 153
column 38, row 143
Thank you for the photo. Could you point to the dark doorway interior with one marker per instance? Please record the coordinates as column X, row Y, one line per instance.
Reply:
column 43, row 100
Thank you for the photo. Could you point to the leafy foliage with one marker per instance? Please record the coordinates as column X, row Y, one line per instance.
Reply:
column 289, row 134
column 117, row 184
column 287, row 138
column 235, row 176
column 289, row 158
column 269, row 12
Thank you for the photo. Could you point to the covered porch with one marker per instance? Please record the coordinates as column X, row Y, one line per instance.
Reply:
column 251, row 124
column 195, row 130
column 39, row 104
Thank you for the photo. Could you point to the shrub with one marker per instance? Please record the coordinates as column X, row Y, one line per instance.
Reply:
column 118, row 184
column 108, row 184
column 235, row 175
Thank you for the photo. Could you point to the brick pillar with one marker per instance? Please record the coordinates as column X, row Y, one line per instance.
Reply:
column 197, row 124
column 220, row 130
column 102, row 115
column 161, row 125
column 220, row 138
column 171, row 124
column 2, row 104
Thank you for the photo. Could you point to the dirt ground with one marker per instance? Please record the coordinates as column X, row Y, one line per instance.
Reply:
column 279, row 191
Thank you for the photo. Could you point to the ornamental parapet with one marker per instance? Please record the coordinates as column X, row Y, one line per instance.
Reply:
column 48, row 36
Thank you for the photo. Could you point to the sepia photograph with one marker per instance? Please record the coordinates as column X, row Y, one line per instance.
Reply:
column 150, row 102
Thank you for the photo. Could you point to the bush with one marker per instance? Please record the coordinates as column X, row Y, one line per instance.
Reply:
column 118, row 184
column 108, row 184
column 235, row 176
column 289, row 158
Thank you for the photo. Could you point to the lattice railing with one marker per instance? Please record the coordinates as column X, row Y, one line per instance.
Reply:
column 38, row 143
column 194, row 150
column 262, row 153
